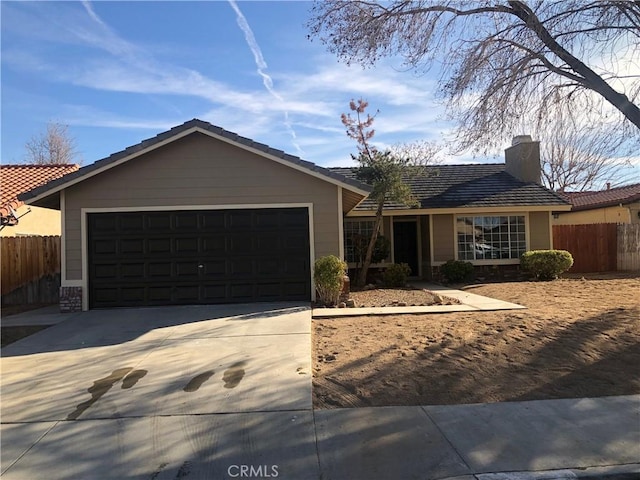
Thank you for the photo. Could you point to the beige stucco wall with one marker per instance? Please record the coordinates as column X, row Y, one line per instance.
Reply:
column 200, row 170
column 39, row 221
column 443, row 238
column 615, row 214
column 539, row 231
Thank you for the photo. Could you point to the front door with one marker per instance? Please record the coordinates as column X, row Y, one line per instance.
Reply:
column 405, row 244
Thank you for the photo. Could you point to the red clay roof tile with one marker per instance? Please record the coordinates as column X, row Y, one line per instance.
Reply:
column 16, row 179
column 603, row 198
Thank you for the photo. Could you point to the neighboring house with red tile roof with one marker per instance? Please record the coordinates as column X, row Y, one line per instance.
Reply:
column 18, row 218
column 614, row 205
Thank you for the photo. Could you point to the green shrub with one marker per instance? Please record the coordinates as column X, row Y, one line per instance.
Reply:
column 456, row 271
column 546, row 264
column 395, row 275
column 328, row 274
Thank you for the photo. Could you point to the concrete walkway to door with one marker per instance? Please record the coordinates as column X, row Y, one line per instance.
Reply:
column 225, row 392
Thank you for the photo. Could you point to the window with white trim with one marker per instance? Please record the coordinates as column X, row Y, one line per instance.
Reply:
column 491, row 238
column 355, row 231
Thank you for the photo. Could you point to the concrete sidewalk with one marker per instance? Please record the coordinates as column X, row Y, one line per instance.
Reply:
column 225, row 392
column 538, row 440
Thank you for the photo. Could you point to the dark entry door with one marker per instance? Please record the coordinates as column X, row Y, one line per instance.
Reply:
column 194, row 257
column 405, row 244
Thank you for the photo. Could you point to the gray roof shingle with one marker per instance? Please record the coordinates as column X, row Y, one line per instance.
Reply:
column 475, row 185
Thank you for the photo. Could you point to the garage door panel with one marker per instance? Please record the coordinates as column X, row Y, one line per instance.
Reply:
column 240, row 266
column 106, row 271
column 241, row 292
column 160, row 223
column 214, row 244
column 132, row 270
column 187, row 293
column 239, row 219
column 267, row 243
column 187, row 245
column 159, row 295
column 131, row 222
column 217, row 256
column 239, row 244
column 106, row 247
column 268, row 267
column 132, row 294
column 187, row 270
column 160, row 269
column 294, row 267
column 159, row 246
column 213, row 221
column 131, row 246
column 186, row 220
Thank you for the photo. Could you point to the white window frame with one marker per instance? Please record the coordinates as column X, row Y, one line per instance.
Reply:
column 492, row 261
column 358, row 220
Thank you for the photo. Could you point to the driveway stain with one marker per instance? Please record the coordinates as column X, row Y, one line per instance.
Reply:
column 184, row 470
column 196, row 382
column 233, row 375
column 132, row 378
column 98, row 389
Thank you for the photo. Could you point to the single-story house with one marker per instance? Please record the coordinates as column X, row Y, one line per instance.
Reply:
column 613, row 205
column 201, row 215
column 18, row 219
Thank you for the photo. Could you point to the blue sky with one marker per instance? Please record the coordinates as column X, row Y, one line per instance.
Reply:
column 120, row 72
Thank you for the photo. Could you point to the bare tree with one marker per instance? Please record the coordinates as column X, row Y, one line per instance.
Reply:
column 53, row 147
column 576, row 160
column 503, row 62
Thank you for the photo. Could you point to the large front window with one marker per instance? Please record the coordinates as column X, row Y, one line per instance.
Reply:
column 356, row 234
column 491, row 238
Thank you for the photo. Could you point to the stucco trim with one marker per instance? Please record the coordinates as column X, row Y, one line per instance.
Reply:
column 84, row 283
column 462, row 210
column 63, row 239
column 340, row 225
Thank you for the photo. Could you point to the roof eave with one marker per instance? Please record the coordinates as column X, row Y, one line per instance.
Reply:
column 44, row 191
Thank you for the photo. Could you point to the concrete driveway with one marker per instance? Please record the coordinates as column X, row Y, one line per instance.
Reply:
column 129, row 393
column 225, row 392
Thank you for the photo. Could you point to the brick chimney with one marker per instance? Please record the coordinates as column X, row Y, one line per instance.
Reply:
column 522, row 159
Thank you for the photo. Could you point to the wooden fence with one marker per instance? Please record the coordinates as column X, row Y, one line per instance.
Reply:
column 601, row 247
column 629, row 246
column 25, row 260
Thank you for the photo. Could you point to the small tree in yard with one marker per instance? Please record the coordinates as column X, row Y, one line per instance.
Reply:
column 384, row 171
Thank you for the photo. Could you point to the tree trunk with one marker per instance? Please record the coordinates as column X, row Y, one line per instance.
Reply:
column 362, row 275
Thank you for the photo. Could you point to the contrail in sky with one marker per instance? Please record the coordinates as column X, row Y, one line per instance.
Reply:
column 262, row 66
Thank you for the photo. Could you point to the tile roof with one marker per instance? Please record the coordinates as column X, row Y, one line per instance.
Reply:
column 17, row 179
column 475, row 185
column 206, row 126
column 603, row 198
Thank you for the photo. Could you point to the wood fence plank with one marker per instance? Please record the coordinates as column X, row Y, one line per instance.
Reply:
column 25, row 259
column 593, row 246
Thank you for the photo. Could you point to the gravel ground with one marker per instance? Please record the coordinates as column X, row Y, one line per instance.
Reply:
column 387, row 297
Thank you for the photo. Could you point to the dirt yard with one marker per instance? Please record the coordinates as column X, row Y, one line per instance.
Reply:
column 578, row 338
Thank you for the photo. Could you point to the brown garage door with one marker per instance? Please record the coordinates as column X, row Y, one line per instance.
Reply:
column 198, row 257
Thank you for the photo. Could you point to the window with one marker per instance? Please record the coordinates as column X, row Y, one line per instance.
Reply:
column 355, row 233
column 489, row 238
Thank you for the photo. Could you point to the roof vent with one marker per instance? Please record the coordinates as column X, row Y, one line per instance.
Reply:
column 521, row 139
